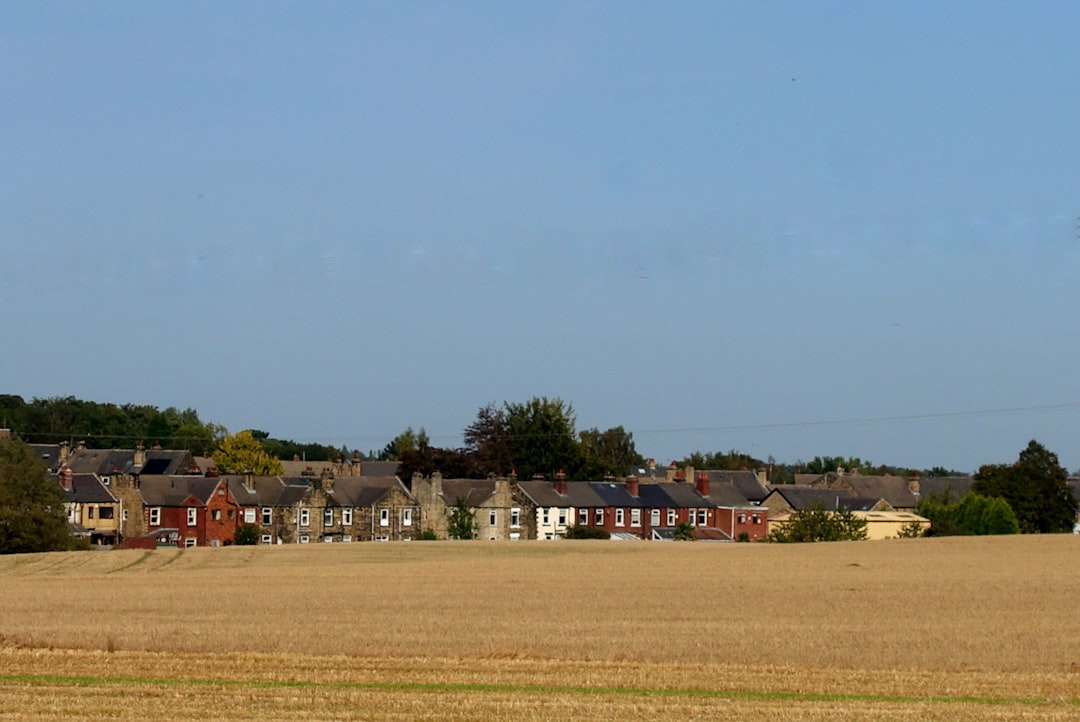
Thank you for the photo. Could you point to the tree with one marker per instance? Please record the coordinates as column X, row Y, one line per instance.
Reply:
column 586, row 532
column 542, row 437
column 487, row 440
column 1035, row 488
column 241, row 452
column 684, row 531
column 817, row 524
column 32, row 513
column 607, row 452
column 408, row 440
column 462, row 524
column 247, row 535
column 451, row 463
column 722, row 461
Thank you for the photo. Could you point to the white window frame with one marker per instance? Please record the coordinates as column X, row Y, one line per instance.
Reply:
column 703, row 517
column 328, row 516
column 654, row 517
column 384, row 517
column 267, row 516
column 406, row 517
column 599, row 517
column 305, row 518
column 620, row 516
column 562, row 517
column 493, row 517
column 192, row 516
column 545, row 516
column 305, row 539
column 635, row 517
column 191, row 542
column 266, row 539
column 346, row 538
column 346, row 517
column 515, row 518
column 155, row 516
column 249, row 515
column 672, row 516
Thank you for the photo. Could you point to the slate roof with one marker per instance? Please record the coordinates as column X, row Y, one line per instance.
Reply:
column 159, row 462
column 306, row 468
column 578, row 494
column 49, row 454
column 801, row 497
column 614, row 494
column 174, row 490
column 745, row 481
column 953, row 487
column 893, row 489
column 358, row 491
column 88, row 489
column 379, row 468
column 474, row 491
column 682, row 495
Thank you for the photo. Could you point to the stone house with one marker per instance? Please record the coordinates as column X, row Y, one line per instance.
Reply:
column 500, row 509
column 92, row 510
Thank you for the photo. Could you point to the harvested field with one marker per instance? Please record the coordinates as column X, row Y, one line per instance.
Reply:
column 978, row 628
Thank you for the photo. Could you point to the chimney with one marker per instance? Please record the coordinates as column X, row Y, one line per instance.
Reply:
column 560, row 483
column 355, row 469
column 65, row 450
column 688, row 474
column 65, row 478
column 157, row 446
column 513, row 475
column 140, row 454
column 703, row 483
column 651, row 464
column 913, row 485
column 249, row 480
column 81, row 445
column 763, row 476
column 671, row 472
column 632, row 485
column 436, row 483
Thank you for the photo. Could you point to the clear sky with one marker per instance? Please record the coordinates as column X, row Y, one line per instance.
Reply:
column 717, row 224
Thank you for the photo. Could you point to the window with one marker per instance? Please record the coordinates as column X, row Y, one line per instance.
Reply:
column 671, row 517
column 599, row 517
column 267, row 515
column 304, row 538
column 635, row 517
column 514, row 536
column 266, row 539
column 346, row 517
column 105, row 480
column 515, row 519
column 346, row 538
column 328, row 517
column 384, row 517
column 406, row 517
column 382, row 538
column 654, row 517
column 125, row 515
column 742, row 518
column 493, row 518
column 327, row 539
column 190, row 542
column 545, row 517
column 89, row 512
column 249, row 516
column 105, row 512
column 215, row 515
column 620, row 517
column 155, row 516
column 703, row 517
column 221, row 491
column 583, row 516
column 192, row 516
column 756, row 518
column 305, row 517
column 562, row 517
column 232, row 513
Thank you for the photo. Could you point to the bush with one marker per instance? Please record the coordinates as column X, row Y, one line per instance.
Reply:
column 246, row 535
column 684, row 531
column 586, row 532
column 744, row 536
column 819, row 524
column 428, row 535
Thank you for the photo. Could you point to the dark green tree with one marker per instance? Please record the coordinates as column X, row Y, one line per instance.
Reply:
column 543, row 437
column 817, row 524
column 462, row 523
column 722, row 461
column 607, row 452
column 1035, row 488
column 247, row 535
column 32, row 512
column 586, row 532
column 974, row 514
column 487, row 441
column 684, row 531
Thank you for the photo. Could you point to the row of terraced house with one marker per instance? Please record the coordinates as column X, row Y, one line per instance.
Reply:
column 155, row 497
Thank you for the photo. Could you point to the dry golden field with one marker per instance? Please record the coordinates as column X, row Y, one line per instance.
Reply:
column 947, row 629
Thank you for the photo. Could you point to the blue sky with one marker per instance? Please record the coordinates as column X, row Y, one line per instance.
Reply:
column 717, row 224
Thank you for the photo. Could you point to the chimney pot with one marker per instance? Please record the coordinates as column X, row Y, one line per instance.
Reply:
column 703, row 483
column 632, row 485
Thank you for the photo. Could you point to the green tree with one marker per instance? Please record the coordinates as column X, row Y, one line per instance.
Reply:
column 542, row 437
column 607, row 452
column 1035, row 488
column 408, row 440
column 818, row 524
column 722, row 461
column 684, row 531
column 586, row 532
column 247, row 535
column 241, row 452
column 487, row 440
column 32, row 512
column 462, row 523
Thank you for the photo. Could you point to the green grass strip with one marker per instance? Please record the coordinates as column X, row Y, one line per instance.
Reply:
column 84, row 681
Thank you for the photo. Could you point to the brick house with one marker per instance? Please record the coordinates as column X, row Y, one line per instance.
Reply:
column 559, row 505
column 92, row 510
column 195, row 510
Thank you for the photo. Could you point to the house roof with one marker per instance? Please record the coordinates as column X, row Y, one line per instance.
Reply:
column 893, row 489
column 744, row 480
column 802, row 497
column 379, row 468
column 949, row 487
column 578, row 494
column 48, row 453
column 474, row 492
column 175, row 490
column 88, row 489
column 615, row 494
column 681, row 495
column 356, row 491
column 306, row 468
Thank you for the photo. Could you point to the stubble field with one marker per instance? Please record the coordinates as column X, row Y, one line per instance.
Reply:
column 948, row 629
